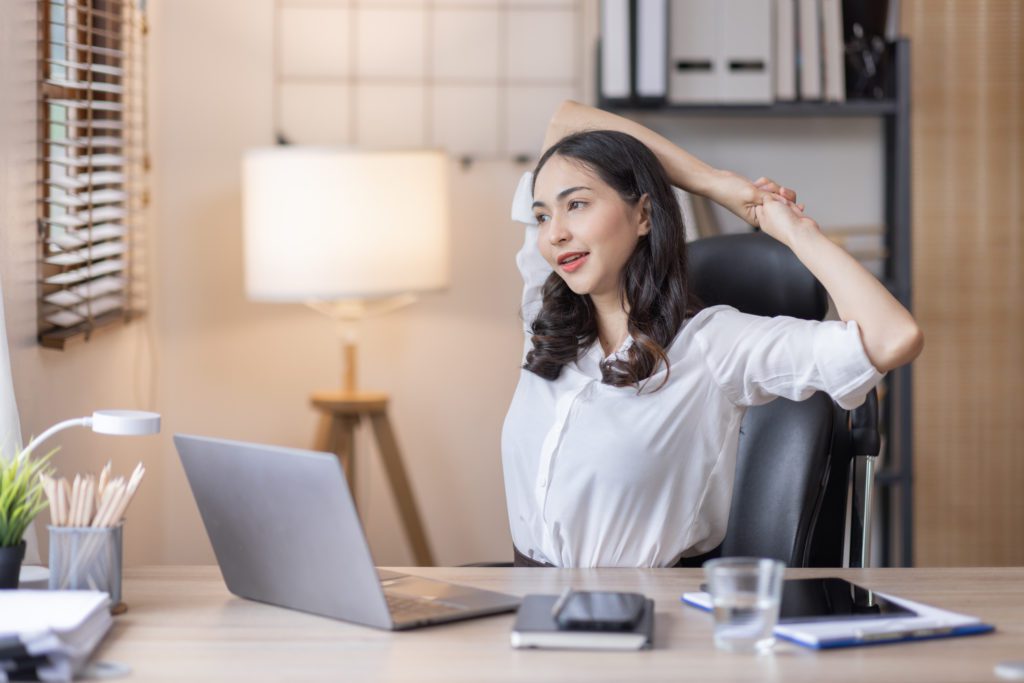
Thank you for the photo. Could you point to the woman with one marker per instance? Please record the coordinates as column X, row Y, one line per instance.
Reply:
column 620, row 444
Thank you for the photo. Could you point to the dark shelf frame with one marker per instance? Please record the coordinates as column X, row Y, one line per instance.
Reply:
column 848, row 109
column 894, row 485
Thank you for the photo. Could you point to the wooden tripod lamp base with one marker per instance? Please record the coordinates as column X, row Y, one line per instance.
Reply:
column 341, row 412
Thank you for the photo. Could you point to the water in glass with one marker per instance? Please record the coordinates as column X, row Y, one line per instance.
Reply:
column 744, row 622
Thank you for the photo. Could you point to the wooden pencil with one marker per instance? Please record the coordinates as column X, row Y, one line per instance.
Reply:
column 90, row 500
column 104, row 479
column 50, row 495
column 76, row 501
column 104, row 507
column 65, row 501
column 58, row 507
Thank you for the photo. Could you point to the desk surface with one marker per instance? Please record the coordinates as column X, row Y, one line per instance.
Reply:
column 183, row 625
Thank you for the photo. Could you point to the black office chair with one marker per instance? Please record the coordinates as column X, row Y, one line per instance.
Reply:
column 793, row 467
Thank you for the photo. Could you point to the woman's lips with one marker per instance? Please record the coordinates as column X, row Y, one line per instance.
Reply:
column 572, row 262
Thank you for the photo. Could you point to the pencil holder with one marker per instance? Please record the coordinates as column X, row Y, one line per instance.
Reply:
column 87, row 558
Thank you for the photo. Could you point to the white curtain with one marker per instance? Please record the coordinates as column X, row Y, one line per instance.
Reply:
column 10, row 427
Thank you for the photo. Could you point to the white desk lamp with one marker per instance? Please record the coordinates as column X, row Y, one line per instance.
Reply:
column 351, row 233
column 117, row 422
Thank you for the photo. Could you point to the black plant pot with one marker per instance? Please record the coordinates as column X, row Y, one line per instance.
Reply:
column 10, row 564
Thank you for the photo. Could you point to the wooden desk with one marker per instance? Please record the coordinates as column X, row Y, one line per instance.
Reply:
column 183, row 625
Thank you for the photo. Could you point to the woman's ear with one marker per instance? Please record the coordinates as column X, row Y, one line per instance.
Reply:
column 644, row 226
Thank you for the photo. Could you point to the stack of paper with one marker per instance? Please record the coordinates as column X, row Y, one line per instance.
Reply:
column 49, row 635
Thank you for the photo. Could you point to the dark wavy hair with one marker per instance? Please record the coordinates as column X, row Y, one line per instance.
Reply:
column 653, row 279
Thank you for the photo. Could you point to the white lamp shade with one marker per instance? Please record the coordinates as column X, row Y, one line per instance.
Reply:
column 329, row 224
column 125, row 422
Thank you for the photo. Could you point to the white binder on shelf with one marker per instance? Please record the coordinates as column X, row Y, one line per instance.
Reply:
column 616, row 56
column 651, row 35
column 810, row 49
column 785, row 50
column 720, row 52
column 694, row 60
column 834, row 49
column 746, row 73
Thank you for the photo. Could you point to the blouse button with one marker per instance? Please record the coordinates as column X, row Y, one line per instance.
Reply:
column 543, row 483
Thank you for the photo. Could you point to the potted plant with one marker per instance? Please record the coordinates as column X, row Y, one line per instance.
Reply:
column 21, row 499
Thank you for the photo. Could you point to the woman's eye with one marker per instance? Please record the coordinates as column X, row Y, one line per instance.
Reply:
column 575, row 203
column 540, row 219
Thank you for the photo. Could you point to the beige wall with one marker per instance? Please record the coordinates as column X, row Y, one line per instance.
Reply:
column 213, row 363
column 231, row 368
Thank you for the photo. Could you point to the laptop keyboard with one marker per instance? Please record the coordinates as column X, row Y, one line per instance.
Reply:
column 406, row 608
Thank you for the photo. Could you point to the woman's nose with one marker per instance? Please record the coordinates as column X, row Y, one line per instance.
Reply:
column 557, row 233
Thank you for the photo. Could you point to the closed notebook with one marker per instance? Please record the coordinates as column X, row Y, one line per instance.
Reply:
column 929, row 622
column 536, row 628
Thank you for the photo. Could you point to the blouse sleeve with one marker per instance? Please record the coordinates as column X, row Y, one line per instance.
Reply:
column 532, row 266
column 755, row 358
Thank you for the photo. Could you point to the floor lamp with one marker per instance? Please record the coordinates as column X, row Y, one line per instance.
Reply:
column 352, row 234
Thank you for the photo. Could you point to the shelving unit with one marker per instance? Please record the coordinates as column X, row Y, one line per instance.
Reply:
column 894, row 483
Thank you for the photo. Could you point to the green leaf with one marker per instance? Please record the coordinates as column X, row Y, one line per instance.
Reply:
column 21, row 494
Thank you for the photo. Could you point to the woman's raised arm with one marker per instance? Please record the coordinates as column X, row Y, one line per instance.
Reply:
column 686, row 171
column 890, row 335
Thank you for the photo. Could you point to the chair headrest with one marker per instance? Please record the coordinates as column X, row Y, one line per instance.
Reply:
column 755, row 274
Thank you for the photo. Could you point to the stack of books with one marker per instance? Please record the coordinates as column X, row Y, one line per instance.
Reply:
column 50, row 635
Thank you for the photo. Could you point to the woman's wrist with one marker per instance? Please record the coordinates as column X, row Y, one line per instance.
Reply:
column 803, row 235
column 711, row 182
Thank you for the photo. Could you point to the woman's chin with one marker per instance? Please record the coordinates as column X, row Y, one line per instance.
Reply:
column 577, row 286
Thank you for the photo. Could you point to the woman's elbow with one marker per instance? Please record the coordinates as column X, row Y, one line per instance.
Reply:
column 902, row 348
column 566, row 114
column 561, row 123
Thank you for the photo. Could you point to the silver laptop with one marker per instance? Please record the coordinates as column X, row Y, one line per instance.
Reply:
column 286, row 532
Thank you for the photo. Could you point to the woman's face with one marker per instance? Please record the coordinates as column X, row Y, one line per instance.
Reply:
column 587, row 232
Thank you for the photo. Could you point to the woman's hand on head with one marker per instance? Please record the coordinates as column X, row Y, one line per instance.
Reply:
column 783, row 220
column 743, row 197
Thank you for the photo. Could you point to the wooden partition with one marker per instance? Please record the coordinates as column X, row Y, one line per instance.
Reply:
column 968, row 230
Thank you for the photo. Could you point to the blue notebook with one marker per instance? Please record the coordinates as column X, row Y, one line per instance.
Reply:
column 929, row 623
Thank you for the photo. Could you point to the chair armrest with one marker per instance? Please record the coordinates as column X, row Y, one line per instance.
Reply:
column 864, row 437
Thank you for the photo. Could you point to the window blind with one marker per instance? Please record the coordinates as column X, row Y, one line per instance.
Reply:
column 93, row 165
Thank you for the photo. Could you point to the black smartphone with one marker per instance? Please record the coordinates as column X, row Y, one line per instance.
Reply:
column 601, row 611
column 833, row 598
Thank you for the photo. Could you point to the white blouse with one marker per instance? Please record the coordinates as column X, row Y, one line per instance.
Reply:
column 597, row 475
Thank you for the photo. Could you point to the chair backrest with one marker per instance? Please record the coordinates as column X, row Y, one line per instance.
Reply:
column 792, row 470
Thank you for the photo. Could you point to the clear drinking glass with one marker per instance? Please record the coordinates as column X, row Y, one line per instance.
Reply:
column 86, row 558
column 745, row 595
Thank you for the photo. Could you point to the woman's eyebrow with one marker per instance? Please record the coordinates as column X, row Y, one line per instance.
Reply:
column 561, row 195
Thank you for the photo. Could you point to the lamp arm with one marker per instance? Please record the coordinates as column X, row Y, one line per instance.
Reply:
column 60, row 426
